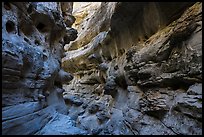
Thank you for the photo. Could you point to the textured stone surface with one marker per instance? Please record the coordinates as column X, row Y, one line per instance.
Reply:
column 148, row 76
column 172, row 57
column 195, row 89
column 121, row 75
column 61, row 125
column 32, row 48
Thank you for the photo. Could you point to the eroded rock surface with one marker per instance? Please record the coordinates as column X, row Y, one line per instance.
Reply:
column 32, row 48
column 144, row 76
column 131, row 68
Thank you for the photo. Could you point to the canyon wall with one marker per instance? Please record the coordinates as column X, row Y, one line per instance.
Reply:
column 33, row 37
column 128, row 69
column 137, row 69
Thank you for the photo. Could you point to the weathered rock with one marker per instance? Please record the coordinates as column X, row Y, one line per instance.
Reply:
column 103, row 116
column 110, row 86
column 72, row 100
column 77, row 59
column 63, row 76
column 151, row 70
column 66, row 9
column 31, row 57
column 190, row 105
column 115, row 125
column 99, row 89
column 71, row 35
column 103, row 66
column 93, row 108
column 96, row 131
column 128, row 76
column 134, row 95
column 181, row 124
column 96, row 58
column 92, row 79
column 195, row 89
column 171, row 57
column 27, row 124
column 61, row 125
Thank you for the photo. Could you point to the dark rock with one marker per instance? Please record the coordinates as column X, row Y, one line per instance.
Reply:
column 121, row 80
column 84, row 106
column 60, row 91
column 96, row 131
column 71, row 35
column 110, row 86
column 93, row 108
column 96, row 106
column 72, row 100
column 181, row 124
column 190, row 105
column 95, row 58
column 103, row 116
column 90, row 79
column 174, row 64
column 99, row 89
column 154, row 104
column 63, row 76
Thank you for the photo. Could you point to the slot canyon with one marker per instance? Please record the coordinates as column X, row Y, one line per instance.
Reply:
column 102, row 68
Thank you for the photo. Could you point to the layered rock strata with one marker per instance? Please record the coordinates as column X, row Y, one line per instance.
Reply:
column 137, row 70
column 131, row 68
column 32, row 47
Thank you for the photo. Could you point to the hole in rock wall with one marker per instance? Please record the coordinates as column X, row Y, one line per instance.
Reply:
column 29, row 10
column 26, row 28
column 37, row 42
column 27, row 40
column 45, row 57
column 121, row 51
column 10, row 26
column 26, row 67
column 41, row 27
column 7, row 5
column 58, row 84
column 146, row 37
column 120, row 80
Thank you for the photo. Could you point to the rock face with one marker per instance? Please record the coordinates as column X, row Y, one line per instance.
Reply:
column 137, row 70
column 32, row 48
column 131, row 68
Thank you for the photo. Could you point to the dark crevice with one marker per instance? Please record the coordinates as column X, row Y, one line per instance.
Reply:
column 121, row 82
column 170, row 128
column 7, row 5
column 41, row 27
column 57, row 84
column 37, row 42
column 131, row 129
column 10, row 26
column 27, row 40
